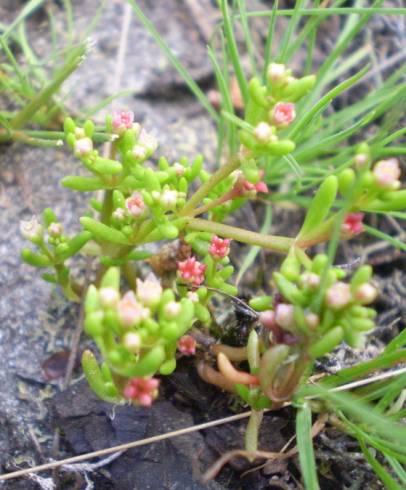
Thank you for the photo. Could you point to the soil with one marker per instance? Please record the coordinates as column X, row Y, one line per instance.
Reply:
column 38, row 325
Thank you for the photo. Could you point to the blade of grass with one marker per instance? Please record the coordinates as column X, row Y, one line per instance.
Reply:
column 28, row 9
column 269, row 40
column 360, row 411
column 321, row 105
column 284, row 46
column 305, row 446
column 388, row 481
column 233, row 50
column 242, row 8
column 193, row 87
column 26, row 113
column 69, row 19
column 384, row 236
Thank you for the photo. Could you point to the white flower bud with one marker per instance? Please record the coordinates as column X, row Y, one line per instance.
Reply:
column 276, row 72
column 172, row 309
column 263, row 132
column 83, row 147
column 132, row 342
column 169, row 198
column 55, row 229
column 109, row 297
column 284, row 315
column 338, row 295
column 366, row 294
column 32, row 230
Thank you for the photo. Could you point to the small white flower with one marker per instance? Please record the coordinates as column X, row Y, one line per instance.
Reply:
column 338, row 295
column 180, row 169
column 130, row 312
column 193, row 296
column 387, row 173
column 109, row 297
column 312, row 320
column 360, row 160
column 263, row 132
column 276, row 72
column 310, row 280
column 119, row 214
column 132, row 342
column 139, row 152
column 149, row 291
column 366, row 294
column 83, row 147
column 55, row 229
column 172, row 309
column 31, row 230
column 169, row 198
column 148, row 141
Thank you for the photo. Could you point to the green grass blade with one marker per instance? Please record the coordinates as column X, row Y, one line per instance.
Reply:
column 269, row 40
column 361, row 412
column 73, row 61
column 242, row 8
column 193, row 87
column 384, row 236
column 385, row 477
column 305, row 446
column 397, row 468
column 286, row 40
column 233, row 50
column 322, row 104
column 28, row 9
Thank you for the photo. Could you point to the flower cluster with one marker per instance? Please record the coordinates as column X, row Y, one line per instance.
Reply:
column 373, row 187
column 342, row 310
column 138, row 334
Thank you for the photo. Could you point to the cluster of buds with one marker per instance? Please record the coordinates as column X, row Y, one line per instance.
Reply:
column 297, row 318
column 141, row 391
column 53, row 249
column 191, row 271
column 373, row 187
column 138, row 333
column 271, row 108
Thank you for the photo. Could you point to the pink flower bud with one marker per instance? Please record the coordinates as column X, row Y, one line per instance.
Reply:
column 130, row 312
column 143, row 391
column 135, row 204
column 83, row 147
column 132, row 342
column 191, row 271
column 366, row 294
column 310, row 280
column 109, row 297
column 361, row 159
column 248, row 187
column 352, row 224
column 338, row 295
column 387, row 173
column 267, row 319
column 179, row 168
column 283, row 114
column 149, row 291
column 187, row 345
column 55, row 230
column 263, row 132
column 312, row 320
column 284, row 315
column 32, row 230
column 219, row 247
column 122, row 120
